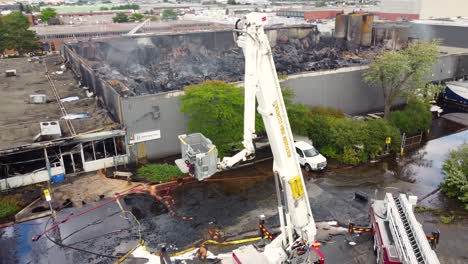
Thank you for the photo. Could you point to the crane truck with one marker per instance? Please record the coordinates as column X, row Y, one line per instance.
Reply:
column 296, row 241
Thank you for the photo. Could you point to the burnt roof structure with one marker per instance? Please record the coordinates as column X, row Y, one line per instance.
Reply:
column 159, row 63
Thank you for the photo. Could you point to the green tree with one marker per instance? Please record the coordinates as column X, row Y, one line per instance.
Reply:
column 400, row 73
column 136, row 17
column 169, row 14
column 14, row 34
column 48, row 13
column 120, row 18
column 215, row 109
column 103, row 8
column 231, row 2
column 456, row 175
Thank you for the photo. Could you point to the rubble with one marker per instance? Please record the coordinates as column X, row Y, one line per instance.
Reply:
column 154, row 68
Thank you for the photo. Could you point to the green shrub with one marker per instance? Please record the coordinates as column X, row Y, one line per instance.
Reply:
column 326, row 111
column 456, row 175
column 8, row 206
column 416, row 117
column 378, row 131
column 447, row 219
column 159, row 172
column 351, row 141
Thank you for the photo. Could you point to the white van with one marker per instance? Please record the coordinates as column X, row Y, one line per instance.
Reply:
column 309, row 157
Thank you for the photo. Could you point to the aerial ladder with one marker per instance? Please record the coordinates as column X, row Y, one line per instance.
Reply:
column 398, row 236
column 295, row 243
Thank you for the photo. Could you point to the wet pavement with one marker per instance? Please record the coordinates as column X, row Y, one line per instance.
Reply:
column 234, row 206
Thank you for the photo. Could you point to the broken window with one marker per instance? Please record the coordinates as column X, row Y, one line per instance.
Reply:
column 29, row 161
column 105, row 148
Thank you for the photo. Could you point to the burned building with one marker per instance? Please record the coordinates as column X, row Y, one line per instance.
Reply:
column 140, row 79
column 51, row 127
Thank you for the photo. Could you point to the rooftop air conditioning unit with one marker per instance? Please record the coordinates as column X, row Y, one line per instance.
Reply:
column 50, row 130
column 37, row 99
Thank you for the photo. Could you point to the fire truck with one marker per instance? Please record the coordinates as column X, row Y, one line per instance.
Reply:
column 398, row 236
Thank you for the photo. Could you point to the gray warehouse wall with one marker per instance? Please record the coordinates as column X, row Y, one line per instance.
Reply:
column 342, row 89
column 151, row 113
column 452, row 36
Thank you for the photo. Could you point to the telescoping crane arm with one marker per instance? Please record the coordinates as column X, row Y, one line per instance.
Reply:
column 261, row 82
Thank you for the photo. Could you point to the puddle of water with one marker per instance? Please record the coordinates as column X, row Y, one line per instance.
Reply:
column 425, row 165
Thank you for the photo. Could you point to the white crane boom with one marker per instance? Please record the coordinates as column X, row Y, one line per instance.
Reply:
column 261, row 82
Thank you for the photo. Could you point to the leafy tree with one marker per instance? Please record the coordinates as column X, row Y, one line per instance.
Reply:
column 48, row 13
column 231, row 2
column 103, row 8
column 120, row 18
column 215, row 109
column 396, row 72
column 136, row 17
column 456, row 175
column 14, row 34
column 169, row 14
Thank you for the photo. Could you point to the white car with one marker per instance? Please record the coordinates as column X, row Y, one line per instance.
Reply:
column 309, row 157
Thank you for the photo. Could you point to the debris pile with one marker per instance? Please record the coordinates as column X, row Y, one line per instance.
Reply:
column 153, row 69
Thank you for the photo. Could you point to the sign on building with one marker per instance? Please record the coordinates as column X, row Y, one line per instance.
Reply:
column 145, row 136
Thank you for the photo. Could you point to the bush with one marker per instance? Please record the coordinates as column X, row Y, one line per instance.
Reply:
column 351, row 141
column 378, row 131
column 159, row 172
column 447, row 219
column 416, row 117
column 326, row 111
column 8, row 206
column 456, row 175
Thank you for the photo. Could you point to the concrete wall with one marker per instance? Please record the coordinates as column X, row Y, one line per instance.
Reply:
column 341, row 89
column 453, row 36
column 150, row 113
column 443, row 9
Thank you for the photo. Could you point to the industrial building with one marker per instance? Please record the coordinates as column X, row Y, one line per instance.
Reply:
column 51, row 127
column 140, row 79
column 421, row 9
column 52, row 37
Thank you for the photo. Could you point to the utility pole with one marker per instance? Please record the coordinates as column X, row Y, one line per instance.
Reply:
column 48, row 191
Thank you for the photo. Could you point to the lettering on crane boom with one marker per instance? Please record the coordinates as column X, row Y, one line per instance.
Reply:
column 296, row 187
column 282, row 128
